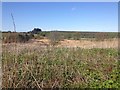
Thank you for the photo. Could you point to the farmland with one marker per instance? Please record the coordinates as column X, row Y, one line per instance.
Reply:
column 61, row 60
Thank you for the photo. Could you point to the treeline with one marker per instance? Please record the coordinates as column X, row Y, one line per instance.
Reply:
column 22, row 37
column 36, row 33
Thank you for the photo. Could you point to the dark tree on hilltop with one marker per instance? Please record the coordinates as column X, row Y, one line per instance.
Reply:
column 36, row 30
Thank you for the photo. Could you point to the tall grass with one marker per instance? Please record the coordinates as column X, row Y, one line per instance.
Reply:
column 61, row 68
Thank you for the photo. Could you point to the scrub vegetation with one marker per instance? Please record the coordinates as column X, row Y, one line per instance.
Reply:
column 59, row 67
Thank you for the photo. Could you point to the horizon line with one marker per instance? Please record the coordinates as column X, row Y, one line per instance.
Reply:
column 62, row 31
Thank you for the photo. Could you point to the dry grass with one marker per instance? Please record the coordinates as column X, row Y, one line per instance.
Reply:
column 36, row 64
column 113, row 43
column 87, row 43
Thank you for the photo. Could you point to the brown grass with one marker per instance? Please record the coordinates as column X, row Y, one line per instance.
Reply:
column 113, row 43
column 85, row 43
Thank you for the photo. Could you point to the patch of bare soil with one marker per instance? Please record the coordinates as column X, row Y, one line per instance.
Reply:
column 113, row 43
column 35, row 44
column 83, row 43
column 43, row 42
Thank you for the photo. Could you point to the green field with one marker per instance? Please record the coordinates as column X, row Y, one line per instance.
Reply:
column 53, row 67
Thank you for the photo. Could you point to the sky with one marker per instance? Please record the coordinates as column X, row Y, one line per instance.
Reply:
column 61, row 16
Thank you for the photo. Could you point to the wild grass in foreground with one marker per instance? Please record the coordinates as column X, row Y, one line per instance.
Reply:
column 62, row 68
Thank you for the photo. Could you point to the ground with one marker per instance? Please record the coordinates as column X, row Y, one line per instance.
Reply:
column 68, row 64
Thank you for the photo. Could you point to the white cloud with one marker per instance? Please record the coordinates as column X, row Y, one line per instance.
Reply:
column 73, row 8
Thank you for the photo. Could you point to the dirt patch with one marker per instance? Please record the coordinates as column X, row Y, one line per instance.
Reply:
column 84, row 43
column 34, row 43
column 113, row 43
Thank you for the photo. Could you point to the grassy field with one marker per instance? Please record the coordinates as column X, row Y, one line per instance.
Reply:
column 60, row 67
column 60, row 60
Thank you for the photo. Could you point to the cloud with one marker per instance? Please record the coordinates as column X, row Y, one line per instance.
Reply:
column 73, row 8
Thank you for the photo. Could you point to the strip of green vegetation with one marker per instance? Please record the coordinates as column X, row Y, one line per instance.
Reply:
column 62, row 68
column 79, row 35
column 9, row 37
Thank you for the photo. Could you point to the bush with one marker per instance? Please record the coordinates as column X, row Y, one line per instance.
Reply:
column 54, row 37
column 23, row 38
column 35, row 31
column 16, row 37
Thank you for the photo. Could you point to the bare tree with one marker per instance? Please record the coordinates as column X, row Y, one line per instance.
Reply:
column 54, row 37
